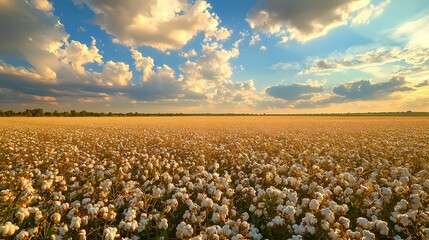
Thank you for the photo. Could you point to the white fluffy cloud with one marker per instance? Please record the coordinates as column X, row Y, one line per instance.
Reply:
column 115, row 74
column 143, row 64
column 33, row 34
column 76, row 54
column 209, row 69
column 161, row 24
column 305, row 20
column 44, row 5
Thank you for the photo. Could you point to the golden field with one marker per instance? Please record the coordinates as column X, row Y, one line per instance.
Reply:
column 212, row 177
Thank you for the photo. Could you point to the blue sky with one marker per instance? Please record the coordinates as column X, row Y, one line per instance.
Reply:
column 275, row 56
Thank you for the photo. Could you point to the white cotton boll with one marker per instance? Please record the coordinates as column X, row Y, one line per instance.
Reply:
column 130, row 215
column 163, row 224
column 237, row 237
column 245, row 216
column 8, row 229
column 208, row 203
column 278, row 180
column 38, row 216
column 217, row 195
column 75, row 223
column 348, row 191
column 82, row 234
column 314, row 205
column 382, row 227
column 345, row 222
column 278, row 220
column 226, row 230
column 110, row 233
column 22, row 235
column 404, row 219
column 325, row 225
column 363, row 222
column 56, row 218
column 368, row 235
column 252, row 208
column 63, row 230
column 310, row 229
column 216, row 217
column 22, row 214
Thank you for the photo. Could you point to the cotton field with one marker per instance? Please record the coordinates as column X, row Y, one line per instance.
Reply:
column 214, row 178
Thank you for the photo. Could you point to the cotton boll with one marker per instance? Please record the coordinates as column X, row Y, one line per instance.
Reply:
column 56, row 218
column 8, row 229
column 314, row 205
column 22, row 235
column 110, row 233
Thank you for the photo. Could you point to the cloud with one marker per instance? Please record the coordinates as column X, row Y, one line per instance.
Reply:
column 33, row 34
column 358, row 58
column 143, row 64
column 220, row 34
column 75, row 54
column 190, row 53
column 263, row 49
column 211, row 68
column 415, row 32
column 161, row 24
column 255, row 39
column 159, row 83
column 305, row 20
column 286, row 66
column 365, row 90
column 370, row 11
column 43, row 5
column 422, row 84
column 294, row 91
column 114, row 74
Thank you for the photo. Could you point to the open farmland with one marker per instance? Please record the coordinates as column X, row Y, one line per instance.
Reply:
column 214, row 178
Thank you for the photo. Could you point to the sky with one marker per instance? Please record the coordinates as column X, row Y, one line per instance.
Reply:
column 208, row 56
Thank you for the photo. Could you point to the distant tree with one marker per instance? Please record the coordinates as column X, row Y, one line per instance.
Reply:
column 48, row 114
column 1, row 113
column 55, row 113
column 38, row 112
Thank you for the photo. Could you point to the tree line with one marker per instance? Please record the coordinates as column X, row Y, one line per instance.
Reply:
column 38, row 112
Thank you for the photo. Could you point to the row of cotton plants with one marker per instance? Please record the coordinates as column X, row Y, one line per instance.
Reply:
column 137, row 182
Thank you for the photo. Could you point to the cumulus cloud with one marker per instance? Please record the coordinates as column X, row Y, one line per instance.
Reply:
column 161, row 24
column 143, row 64
column 305, row 20
column 76, row 54
column 160, row 83
column 263, row 49
column 294, row 91
column 211, row 68
column 33, row 34
column 115, row 74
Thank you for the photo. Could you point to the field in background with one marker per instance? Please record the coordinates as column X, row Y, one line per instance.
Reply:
column 245, row 177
